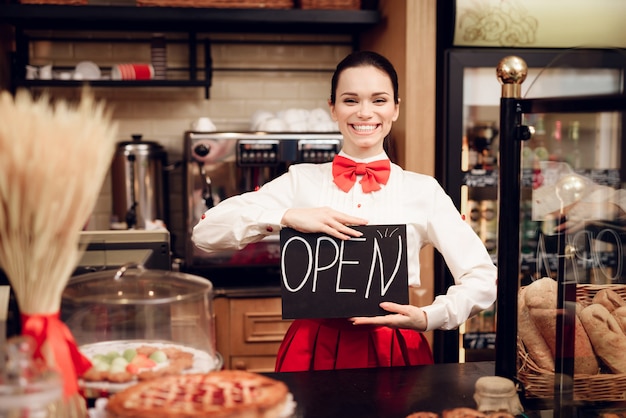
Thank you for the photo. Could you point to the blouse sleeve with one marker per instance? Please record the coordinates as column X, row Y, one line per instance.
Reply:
column 246, row 218
column 474, row 273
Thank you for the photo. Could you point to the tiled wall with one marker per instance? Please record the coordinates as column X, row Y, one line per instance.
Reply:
column 252, row 72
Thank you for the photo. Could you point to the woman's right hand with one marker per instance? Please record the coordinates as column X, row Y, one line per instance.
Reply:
column 323, row 220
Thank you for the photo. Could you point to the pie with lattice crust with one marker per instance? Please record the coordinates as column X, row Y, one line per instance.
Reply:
column 220, row 394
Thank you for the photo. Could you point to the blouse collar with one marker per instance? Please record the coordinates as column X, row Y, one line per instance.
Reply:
column 381, row 156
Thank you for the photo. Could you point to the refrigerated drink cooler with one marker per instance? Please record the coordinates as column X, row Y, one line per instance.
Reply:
column 470, row 170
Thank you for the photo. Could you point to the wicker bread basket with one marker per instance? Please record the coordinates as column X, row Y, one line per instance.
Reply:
column 539, row 383
column 331, row 4
column 221, row 4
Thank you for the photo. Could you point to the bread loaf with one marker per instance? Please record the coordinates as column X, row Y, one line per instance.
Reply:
column 532, row 339
column 607, row 337
column 608, row 298
column 620, row 315
column 585, row 360
column 541, row 294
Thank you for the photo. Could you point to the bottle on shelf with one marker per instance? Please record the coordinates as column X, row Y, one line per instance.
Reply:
column 529, row 228
column 474, row 215
column 557, row 142
column 468, row 159
column 480, row 141
column 489, row 224
column 574, row 157
column 538, row 141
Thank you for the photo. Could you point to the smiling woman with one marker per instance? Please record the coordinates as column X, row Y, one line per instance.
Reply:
column 364, row 101
column 362, row 187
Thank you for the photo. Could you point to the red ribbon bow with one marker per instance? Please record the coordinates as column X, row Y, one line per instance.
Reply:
column 374, row 174
column 49, row 329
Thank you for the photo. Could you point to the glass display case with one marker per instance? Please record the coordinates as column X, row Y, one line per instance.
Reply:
column 560, row 246
column 470, row 153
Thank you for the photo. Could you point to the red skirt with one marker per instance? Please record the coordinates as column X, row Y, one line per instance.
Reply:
column 326, row 344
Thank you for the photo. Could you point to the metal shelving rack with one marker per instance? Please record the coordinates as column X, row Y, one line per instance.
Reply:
column 192, row 21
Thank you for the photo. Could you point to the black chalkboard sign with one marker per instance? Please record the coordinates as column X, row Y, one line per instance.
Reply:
column 325, row 277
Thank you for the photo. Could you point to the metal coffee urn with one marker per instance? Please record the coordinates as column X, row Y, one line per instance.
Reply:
column 137, row 178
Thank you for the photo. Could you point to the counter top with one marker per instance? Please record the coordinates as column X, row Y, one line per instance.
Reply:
column 384, row 392
column 397, row 392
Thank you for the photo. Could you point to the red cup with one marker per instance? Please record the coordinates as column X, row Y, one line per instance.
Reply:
column 132, row 72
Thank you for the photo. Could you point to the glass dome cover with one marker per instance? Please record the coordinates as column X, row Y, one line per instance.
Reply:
column 136, row 285
column 134, row 308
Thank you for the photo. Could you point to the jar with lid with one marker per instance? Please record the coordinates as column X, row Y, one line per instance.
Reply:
column 28, row 387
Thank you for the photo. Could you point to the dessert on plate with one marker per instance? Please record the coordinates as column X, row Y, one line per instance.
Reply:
column 223, row 394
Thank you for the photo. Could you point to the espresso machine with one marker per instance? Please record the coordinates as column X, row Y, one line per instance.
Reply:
column 218, row 165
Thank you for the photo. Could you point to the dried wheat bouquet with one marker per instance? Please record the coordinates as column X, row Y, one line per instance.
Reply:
column 54, row 158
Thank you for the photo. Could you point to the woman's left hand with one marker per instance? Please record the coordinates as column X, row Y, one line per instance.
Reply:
column 402, row 316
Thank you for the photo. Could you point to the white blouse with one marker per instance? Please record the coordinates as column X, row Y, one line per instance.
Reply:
column 409, row 198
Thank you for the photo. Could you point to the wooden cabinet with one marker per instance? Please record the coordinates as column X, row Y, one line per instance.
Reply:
column 249, row 331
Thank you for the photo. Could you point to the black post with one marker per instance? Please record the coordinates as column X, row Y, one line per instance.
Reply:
column 511, row 72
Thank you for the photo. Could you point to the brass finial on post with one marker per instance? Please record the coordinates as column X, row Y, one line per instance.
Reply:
column 512, row 72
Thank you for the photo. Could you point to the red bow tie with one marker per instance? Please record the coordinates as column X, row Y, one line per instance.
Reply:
column 374, row 174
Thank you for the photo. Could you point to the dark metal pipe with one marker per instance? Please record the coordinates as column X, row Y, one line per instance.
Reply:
column 511, row 72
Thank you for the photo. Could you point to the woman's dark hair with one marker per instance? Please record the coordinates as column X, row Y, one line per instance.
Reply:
column 364, row 59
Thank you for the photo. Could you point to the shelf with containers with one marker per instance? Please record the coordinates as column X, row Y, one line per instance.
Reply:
column 187, row 25
column 470, row 156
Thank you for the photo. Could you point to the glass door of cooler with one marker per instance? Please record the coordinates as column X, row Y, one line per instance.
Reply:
column 571, row 181
column 471, row 147
column 562, row 184
column 568, row 154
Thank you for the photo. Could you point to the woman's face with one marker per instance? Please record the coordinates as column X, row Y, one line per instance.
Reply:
column 364, row 110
